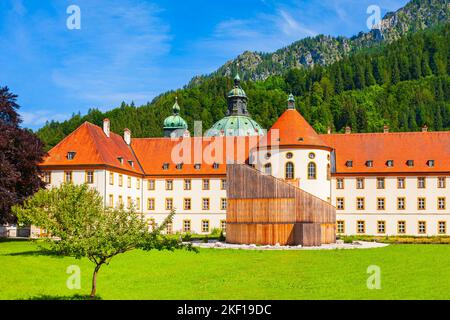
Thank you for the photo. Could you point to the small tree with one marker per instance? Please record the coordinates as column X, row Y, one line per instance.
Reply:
column 80, row 226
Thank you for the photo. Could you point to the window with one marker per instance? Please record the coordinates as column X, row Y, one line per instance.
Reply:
column 328, row 172
column 165, row 166
column 138, row 183
column 68, row 176
column 223, row 184
column 120, row 160
column 205, row 184
column 339, row 183
column 138, row 203
column 289, row 155
column 340, row 204
column 422, row 227
column 120, row 201
column 131, row 163
column 421, row 204
column 441, row 203
column 360, row 226
column 401, row 183
column 289, row 171
column 187, row 184
column 360, row 205
column 187, row 225
column 441, row 182
column 390, row 163
column 205, row 204
column 312, row 155
column 151, row 223
column 359, row 183
column 401, row 203
column 349, row 164
column 89, row 177
column 442, row 227
column 111, row 178
column 71, row 155
column 215, row 166
column 111, row 201
column 120, row 180
column 312, row 174
column 179, row 166
column 129, row 202
column 205, row 225
column 169, row 203
column 48, row 177
column 169, row 184
column 151, row 184
column 430, row 163
column 410, row 163
column 223, row 225
column 401, row 227
column 380, row 183
column 223, row 204
column 381, row 204
column 169, row 228
column 421, row 183
column 150, row 204
column 381, row 227
column 268, row 155
column 340, row 226
column 197, row 166
column 268, row 169
column 187, row 204
column 369, row 163
column 129, row 182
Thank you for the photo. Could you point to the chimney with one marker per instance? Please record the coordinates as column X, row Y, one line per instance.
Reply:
column 348, row 130
column 386, row 129
column 127, row 136
column 425, row 128
column 106, row 127
column 329, row 130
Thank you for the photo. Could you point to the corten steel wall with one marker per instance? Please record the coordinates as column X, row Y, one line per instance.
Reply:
column 265, row 210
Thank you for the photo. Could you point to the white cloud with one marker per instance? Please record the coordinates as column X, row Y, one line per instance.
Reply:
column 40, row 117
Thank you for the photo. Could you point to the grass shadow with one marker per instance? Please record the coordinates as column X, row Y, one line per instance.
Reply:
column 75, row 297
column 39, row 252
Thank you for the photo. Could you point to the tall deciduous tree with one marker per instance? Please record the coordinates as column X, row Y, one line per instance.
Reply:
column 20, row 153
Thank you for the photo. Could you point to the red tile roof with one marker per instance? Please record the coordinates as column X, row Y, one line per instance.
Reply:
column 293, row 131
column 399, row 147
column 92, row 148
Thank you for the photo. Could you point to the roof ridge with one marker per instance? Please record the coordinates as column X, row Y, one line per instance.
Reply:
column 383, row 133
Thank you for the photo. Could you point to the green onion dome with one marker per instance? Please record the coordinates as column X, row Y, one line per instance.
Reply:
column 237, row 91
column 175, row 121
column 235, row 126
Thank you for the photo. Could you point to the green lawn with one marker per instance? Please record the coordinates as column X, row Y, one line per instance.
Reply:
column 407, row 272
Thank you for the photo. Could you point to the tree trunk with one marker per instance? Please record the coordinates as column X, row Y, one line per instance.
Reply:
column 94, row 281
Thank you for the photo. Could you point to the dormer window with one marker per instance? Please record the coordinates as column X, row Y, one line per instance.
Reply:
column 179, row 166
column 430, row 163
column 390, row 163
column 215, row 166
column 165, row 166
column 349, row 163
column 369, row 163
column 410, row 163
column 71, row 155
column 131, row 162
column 120, row 160
column 197, row 166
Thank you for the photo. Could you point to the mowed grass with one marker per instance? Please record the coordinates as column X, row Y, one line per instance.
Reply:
column 407, row 272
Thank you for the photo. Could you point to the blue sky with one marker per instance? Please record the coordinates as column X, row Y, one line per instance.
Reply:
column 136, row 49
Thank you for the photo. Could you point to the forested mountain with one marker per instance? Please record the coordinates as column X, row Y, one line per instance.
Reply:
column 404, row 84
column 325, row 50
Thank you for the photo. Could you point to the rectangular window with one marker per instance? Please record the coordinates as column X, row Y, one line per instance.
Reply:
column 360, row 227
column 187, row 184
column 151, row 184
column 223, row 225
column 223, row 204
column 89, row 177
column 169, row 228
column 138, row 183
column 401, row 203
column 223, row 184
column 129, row 182
column 120, row 201
column 205, row 204
column 441, row 203
column 421, row 204
column 339, row 183
column 187, row 204
column 169, row 203
column 360, row 203
column 421, row 183
column 422, row 227
column 381, row 204
column 360, row 183
column 205, row 184
column 120, row 180
column 381, row 227
column 340, row 204
column 401, row 227
column 111, row 178
column 169, row 184
column 401, row 184
column 138, row 203
column 68, row 176
column 111, row 201
column 442, row 227
column 150, row 204
column 380, row 183
column 205, row 225
column 187, row 225
column 48, row 177
column 441, row 182
column 340, row 226
column 129, row 202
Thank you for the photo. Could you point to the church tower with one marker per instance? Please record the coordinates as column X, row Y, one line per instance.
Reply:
column 174, row 125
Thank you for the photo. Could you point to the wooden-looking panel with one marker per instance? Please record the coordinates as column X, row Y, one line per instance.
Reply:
column 328, row 233
column 308, row 234
column 261, row 234
column 261, row 210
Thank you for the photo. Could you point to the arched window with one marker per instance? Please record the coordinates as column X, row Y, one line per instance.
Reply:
column 268, row 169
column 312, row 172
column 289, row 173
